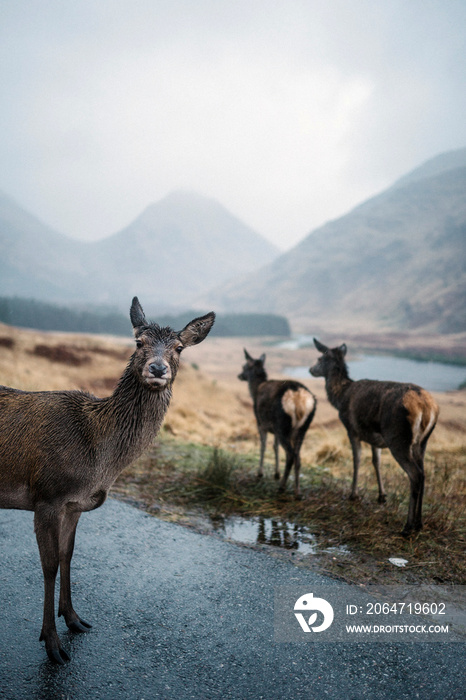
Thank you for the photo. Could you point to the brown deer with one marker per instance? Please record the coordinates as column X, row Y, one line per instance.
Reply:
column 383, row 414
column 284, row 408
column 61, row 451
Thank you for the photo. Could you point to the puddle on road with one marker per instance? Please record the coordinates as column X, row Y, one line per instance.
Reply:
column 275, row 532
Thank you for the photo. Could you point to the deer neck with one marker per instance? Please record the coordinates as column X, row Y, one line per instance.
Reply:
column 254, row 384
column 131, row 418
column 337, row 382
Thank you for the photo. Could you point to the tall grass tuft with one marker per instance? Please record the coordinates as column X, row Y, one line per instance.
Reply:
column 215, row 478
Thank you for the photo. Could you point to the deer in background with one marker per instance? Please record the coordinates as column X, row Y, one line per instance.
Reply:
column 284, row 408
column 60, row 451
column 384, row 414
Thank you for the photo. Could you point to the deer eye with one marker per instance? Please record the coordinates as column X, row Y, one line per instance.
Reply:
column 139, row 343
column 179, row 348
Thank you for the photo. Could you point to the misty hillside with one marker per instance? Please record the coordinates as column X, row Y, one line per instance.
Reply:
column 176, row 249
column 396, row 261
column 31, row 256
column 435, row 166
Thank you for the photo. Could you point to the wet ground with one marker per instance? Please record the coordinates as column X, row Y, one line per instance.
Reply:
column 271, row 531
column 180, row 615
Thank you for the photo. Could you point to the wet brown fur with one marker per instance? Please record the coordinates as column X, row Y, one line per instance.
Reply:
column 298, row 404
column 396, row 415
column 420, row 405
column 284, row 408
column 60, row 451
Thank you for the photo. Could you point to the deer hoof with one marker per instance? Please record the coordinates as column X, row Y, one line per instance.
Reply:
column 382, row 498
column 79, row 626
column 354, row 497
column 277, row 476
column 58, row 656
column 407, row 532
column 411, row 530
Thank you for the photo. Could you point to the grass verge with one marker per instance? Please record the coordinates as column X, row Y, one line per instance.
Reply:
column 188, row 482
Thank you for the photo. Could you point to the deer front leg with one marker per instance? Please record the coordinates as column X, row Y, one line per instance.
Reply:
column 376, row 454
column 47, row 528
column 276, row 444
column 356, row 448
column 66, row 547
column 263, row 439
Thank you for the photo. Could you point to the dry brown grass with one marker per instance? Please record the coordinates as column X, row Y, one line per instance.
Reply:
column 35, row 360
column 211, row 408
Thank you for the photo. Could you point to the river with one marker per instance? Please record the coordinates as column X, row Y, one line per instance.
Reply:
column 433, row 376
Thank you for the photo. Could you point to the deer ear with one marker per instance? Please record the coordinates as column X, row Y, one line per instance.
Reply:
column 343, row 349
column 262, row 358
column 247, row 355
column 320, row 346
column 197, row 330
column 136, row 314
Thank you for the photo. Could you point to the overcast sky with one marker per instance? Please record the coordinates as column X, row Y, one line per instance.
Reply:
column 288, row 112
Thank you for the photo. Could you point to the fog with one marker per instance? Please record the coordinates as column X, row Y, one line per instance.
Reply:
column 288, row 113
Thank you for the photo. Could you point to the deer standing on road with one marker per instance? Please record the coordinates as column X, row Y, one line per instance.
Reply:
column 384, row 414
column 61, row 451
column 284, row 408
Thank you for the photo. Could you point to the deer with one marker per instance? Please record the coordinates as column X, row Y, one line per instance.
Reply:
column 400, row 416
column 61, row 451
column 284, row 408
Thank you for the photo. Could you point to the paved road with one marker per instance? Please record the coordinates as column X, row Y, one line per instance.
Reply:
column 178, row 615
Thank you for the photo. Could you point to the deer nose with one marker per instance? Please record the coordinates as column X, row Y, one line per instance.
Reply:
column 157, row 369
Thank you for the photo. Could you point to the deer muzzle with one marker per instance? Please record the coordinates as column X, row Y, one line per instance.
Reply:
column 157, row 373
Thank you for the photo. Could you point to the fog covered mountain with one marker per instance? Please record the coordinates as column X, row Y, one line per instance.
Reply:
column 176, row 249
column 397, row 261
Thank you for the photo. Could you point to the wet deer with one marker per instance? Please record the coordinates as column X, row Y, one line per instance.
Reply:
column 284, row 408
column 384, row 414
column 61, row 451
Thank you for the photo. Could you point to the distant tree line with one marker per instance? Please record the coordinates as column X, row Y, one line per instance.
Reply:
column 229, row 325
column 30, row 313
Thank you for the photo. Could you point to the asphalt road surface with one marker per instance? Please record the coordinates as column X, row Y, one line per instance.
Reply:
column 179, row 615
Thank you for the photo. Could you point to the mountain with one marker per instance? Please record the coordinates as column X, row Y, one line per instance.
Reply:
column 396, row 261
column 31, row 256
column 178, row 248
column 175, row 250
column 435, row 166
